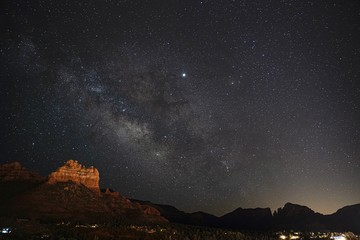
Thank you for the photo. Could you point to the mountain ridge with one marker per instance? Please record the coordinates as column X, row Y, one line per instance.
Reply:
column 291, row 217
column 73, row 190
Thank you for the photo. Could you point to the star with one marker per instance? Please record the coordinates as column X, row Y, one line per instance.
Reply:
column 281, row 97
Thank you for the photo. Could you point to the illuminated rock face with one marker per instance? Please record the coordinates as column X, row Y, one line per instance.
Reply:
column 77, row 173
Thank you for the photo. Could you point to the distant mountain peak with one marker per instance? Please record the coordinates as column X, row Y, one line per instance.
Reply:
column 294, row 209
column 349, row 210
column 264, row 212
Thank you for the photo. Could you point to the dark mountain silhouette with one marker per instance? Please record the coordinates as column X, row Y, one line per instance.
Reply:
column 204, row 219
column 252, row 219
column 175, row 215
column 293, row 216
column 345, row 219
column 290, row 217
column 72, row 193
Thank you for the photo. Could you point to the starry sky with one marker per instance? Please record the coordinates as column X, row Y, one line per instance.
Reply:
column 204, row 105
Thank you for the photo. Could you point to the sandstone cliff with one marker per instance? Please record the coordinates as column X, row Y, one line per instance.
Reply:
column 77, row 173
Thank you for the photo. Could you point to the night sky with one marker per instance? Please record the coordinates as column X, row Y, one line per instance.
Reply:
column 204, row 105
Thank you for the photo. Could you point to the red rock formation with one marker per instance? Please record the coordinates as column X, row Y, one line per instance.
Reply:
column 111, row 193
column 150, row 210
column 77, row 173
column 10, row 172
column 71, row 192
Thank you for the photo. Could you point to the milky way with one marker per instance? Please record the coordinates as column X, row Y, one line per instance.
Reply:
column 204, row 105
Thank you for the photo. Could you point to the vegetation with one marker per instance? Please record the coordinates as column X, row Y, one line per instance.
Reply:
column 123, row 229
column 28, row 229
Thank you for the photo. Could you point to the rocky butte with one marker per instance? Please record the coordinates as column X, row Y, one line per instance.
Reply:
column 77, row 173
column 71, row 193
